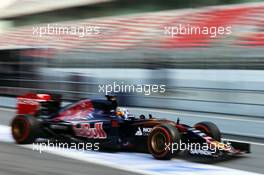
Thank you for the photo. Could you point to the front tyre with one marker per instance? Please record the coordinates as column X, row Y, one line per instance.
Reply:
column 25, row 129
column 160, row 141
column 210, row 129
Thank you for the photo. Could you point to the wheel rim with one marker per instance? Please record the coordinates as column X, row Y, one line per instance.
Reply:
column 158, row 142
column 20, row 129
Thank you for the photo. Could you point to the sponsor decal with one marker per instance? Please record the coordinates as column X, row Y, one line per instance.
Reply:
column 27, row 101
column 200, row 152
column 143, row 131
column 139, row 132
column 85, row 130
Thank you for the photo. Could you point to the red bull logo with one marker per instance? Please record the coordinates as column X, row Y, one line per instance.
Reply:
column 85, row 130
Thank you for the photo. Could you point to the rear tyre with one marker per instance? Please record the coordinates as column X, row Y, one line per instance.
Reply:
column 25, row 129
column 160, row 141
column 210, row 129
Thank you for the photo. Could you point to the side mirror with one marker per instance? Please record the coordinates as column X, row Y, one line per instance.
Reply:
column 178, row 120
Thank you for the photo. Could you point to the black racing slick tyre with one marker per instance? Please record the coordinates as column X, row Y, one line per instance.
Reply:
column 210, row 129
column 161, row 139
column 25, row 129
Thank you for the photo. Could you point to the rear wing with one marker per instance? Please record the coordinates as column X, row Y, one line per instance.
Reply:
column 33, row 103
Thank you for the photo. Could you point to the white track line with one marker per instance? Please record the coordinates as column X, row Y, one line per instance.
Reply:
column 195, row 115
column 242, row 141
column 7, row 109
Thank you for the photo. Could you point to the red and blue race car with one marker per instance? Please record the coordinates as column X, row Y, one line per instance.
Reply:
column 102, row 121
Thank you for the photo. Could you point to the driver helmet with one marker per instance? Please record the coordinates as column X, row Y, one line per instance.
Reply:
column 123, row 112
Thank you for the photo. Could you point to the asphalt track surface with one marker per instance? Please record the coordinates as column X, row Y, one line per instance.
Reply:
column 19, row 160
column 22, row 161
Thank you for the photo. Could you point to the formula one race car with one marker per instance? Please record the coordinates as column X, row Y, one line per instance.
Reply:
column 102, row 121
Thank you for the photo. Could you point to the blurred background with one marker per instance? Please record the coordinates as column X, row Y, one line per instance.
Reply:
column 221, row 75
